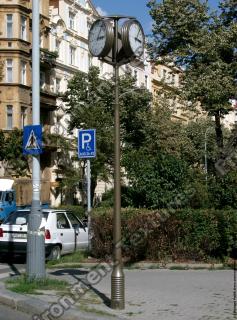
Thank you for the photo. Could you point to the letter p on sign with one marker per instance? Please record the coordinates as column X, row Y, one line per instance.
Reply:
column 86, row 139
column 86, row 144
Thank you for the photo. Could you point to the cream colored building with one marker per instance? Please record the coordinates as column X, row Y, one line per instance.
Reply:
column 70, row 21
column 167, row 79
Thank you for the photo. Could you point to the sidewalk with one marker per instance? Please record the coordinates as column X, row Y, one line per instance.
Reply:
column 150, row 294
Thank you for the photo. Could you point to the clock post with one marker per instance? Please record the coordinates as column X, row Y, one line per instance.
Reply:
column 117, row 277
column 117, row 46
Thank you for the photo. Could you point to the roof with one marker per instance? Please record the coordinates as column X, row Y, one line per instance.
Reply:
column 6, row 184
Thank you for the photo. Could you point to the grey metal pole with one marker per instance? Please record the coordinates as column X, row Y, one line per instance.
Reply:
column 89, row 201
column 117, row 277
column 35, row 238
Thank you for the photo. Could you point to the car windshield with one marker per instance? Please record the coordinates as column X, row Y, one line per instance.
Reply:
column 20, row 217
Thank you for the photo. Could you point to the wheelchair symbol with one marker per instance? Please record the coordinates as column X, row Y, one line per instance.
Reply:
column 88, row 148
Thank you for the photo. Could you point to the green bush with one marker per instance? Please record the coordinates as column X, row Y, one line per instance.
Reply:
column 183, row 234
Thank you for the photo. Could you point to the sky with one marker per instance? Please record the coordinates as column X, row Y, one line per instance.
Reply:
column 136, row 8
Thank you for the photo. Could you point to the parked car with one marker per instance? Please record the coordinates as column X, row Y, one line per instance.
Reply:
column 64, row 233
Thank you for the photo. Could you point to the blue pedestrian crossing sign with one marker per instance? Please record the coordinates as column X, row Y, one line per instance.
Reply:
column 86, row 143
column 32, row 140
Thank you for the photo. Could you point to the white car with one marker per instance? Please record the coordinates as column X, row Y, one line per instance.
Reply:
column 64, row 233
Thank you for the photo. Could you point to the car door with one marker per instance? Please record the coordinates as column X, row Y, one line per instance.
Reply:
column 81, row 232
column 65, row 233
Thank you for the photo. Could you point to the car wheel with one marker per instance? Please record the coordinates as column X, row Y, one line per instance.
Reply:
column 55, row 253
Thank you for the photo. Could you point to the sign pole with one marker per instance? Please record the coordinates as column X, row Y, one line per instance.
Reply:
column 89, row 201
column 35, row 238
column 86, row 150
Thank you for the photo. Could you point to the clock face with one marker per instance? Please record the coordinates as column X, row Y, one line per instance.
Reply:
column 136, row 39
column 133, row 38
column 100, row 38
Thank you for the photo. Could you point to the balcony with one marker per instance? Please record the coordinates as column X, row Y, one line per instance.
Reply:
column 47, row 98
column 48, row 58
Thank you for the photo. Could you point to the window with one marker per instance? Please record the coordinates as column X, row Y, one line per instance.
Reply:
column 173, row 79
column 9, row 25
column 23, row 72
column 146, row 81
column 23, row 27
column 135, row 74
column 23, row 117
column 9, row 197
column 72, row 53
column 164, row 73
column 74, row 221
column 71, row 20
column 12, row 218
column 62, row 222
column 57, row 46
column 42, row 80
column 57, row 85
column 9, row 117
column 9, row 71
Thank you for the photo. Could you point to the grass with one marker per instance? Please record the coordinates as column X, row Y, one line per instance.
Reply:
column 74, row 258
column 22, row 284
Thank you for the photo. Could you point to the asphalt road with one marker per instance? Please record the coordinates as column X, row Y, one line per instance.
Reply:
column 10, row 314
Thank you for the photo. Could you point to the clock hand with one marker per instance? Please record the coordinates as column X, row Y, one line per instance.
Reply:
column 99, row 34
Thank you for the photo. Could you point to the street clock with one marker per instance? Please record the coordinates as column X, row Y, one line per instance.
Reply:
column 133, row 38
column 101, row 38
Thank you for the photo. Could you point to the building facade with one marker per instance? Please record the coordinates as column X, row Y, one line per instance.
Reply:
column 15, row 58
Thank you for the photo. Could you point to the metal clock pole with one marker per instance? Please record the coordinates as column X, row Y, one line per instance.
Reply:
column 117, row 277
column 105, row 36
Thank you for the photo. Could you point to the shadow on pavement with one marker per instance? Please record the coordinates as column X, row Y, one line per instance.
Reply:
column 12, row 262
column 76, row 273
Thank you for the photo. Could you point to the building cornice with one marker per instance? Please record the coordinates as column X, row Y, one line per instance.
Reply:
column 67, row 67
column 15, row 84
column 85, row 10
column 16, row 51
column 17, row 6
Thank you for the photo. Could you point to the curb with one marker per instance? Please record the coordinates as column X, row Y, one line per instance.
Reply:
column 35, row 307
column 150, row 265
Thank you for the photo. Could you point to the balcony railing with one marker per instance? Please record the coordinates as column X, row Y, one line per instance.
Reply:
column 48, row 58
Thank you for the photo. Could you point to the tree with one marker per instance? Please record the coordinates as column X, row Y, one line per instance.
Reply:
column 11, row 153
column 203, row 43
column 90, row 104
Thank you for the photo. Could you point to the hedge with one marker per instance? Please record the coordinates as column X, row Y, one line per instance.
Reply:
column 184, row 234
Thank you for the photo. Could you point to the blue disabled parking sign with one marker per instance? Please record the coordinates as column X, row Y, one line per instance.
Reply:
column 86, row 143
column 32, row 140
